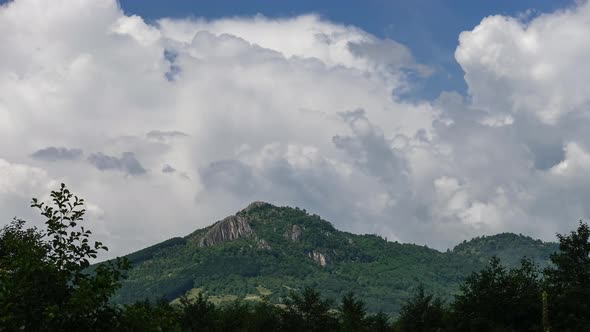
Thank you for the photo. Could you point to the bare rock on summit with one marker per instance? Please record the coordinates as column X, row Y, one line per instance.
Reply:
column 254, row 205
column 228, row 229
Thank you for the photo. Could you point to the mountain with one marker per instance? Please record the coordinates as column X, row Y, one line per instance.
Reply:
column 265, row 251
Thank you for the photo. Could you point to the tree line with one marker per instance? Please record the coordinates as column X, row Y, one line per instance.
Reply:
column 46, row 284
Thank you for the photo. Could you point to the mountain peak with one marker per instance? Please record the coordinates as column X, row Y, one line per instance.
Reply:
column 279, row 249
column 255, row 205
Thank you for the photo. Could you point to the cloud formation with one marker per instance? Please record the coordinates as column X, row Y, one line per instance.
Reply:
column 126, row 163
column 57, row 153
column 168, row 169
column 515, row 66
column 295, row 111
column 163, row 135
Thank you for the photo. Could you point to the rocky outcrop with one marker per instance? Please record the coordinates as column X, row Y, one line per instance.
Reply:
column 262, row 244
column 228, row 229
column 254, row 205
column 319, row 258
column 294, row 233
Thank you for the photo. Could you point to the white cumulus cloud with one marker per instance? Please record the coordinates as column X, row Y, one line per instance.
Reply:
column 167, row 127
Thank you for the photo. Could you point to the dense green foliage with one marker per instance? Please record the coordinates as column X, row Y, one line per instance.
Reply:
column 499, row 299
column 381, row 272
column 422, row 312
column 46, row 283
column 43, row 286
column 567, row 282
column 508, row 247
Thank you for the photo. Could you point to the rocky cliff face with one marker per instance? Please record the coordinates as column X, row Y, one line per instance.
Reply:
column 262, row 244
column 228, row 229
column 294, row 233
column 319, row 258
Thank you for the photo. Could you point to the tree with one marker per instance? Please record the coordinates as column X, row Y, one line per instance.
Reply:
column 26, row 278
column 265, row 317
column 497, row 299
column 422, row 313
column 198, row 314
column 145, row 316
column 44, row 279
column 352, row 314
column 378, row 322
column 567, row 282
column 235, row 316
column 308, row 312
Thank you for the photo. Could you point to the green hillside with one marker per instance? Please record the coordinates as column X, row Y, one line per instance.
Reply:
column 266, row 251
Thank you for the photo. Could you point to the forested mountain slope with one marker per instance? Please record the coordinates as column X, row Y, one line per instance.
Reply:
column 266, row 251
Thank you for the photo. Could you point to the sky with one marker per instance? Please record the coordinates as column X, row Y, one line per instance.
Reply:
column 430, row 28
column 428, row 122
